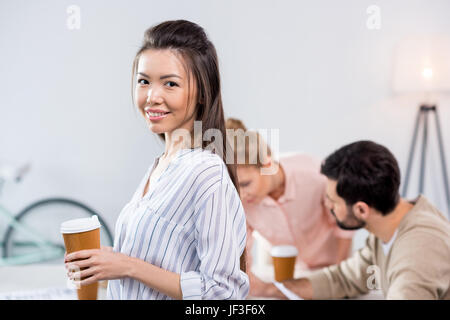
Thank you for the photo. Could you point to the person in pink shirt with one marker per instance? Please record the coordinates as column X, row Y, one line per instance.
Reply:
column 287, row 207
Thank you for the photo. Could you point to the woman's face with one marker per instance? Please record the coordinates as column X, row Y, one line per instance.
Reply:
column 162, row 91
column 253, row 186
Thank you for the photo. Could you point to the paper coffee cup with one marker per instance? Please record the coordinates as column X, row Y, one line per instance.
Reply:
column 82, row 234
column 283, row 258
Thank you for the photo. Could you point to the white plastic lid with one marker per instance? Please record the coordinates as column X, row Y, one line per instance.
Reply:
column 80, row 225
column 284, row 251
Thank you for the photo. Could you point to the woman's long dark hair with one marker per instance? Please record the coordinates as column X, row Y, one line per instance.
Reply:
column 190, row 41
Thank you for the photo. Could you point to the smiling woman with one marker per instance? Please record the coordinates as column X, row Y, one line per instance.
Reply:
column 183, row 234
column 162, row 90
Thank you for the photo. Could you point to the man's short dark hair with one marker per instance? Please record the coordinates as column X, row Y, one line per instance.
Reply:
column 365, row 171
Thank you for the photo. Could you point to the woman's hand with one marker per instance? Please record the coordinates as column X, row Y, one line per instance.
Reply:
column 89, row 266
column 106, row 248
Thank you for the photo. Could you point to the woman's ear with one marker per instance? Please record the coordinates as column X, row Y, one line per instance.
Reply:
column 270, row 167
column 268, row 162
column 361, row 210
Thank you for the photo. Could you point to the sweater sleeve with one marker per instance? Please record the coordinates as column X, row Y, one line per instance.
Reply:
column 347, row 279
column 417, row 268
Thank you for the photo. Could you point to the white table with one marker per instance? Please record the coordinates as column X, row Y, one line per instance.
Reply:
column 38, row 281
column 49, row 281
column 265, row 273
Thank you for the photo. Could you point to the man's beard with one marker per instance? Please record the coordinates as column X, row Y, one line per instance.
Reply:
column 351, row 222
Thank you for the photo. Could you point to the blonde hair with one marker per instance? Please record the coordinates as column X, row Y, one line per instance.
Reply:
column 249, row 147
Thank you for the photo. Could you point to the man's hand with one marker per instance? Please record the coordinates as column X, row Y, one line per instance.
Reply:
column 301, row 287
column 259, row 288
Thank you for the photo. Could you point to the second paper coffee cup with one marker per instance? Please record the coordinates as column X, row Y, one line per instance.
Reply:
column 283, row 258
column 82, row 234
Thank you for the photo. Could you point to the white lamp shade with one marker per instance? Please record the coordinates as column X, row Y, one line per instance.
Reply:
column 422, row 64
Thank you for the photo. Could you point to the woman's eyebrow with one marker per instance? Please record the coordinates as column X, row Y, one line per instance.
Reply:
column 143, row 74
column 162, row 77
column 169, row 76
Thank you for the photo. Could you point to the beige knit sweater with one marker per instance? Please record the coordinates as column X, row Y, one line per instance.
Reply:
column 416, row 267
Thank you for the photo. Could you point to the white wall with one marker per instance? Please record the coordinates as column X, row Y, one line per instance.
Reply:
column 310, row 68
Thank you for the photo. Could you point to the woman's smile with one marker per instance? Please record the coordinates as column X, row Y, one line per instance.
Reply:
column 155, row 114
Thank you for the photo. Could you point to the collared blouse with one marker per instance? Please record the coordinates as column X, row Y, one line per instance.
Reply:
column 191, row 222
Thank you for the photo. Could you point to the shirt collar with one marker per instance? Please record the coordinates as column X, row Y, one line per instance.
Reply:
column 387, row 246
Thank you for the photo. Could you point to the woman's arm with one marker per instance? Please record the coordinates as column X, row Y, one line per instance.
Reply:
column 164, row 281
column 104, row 264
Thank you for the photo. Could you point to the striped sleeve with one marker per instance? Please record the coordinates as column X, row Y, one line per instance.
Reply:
column 221, row 238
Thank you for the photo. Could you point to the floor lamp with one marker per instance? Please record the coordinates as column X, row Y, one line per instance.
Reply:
column 423, row 66
column 422, row 121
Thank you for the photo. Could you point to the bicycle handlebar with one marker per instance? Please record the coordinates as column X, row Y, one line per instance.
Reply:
column 11, row 172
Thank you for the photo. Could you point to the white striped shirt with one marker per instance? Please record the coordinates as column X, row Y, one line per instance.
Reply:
column 191, row 222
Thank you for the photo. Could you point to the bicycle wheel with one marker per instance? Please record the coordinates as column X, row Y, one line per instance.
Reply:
column 45, row 217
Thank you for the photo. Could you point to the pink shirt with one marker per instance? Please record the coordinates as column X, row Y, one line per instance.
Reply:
column 299, row 217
